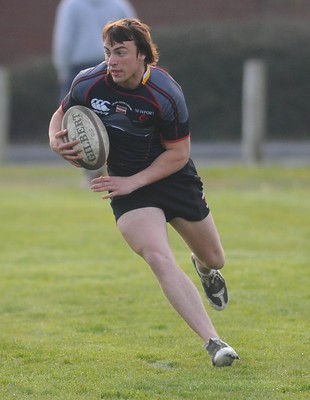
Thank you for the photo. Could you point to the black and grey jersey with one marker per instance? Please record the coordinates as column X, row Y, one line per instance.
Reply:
column 138, row 121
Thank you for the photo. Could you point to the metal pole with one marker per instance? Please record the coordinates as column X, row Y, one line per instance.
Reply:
column 253, row 110
column 4, row 113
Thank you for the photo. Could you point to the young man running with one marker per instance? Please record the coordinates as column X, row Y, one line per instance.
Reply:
column 151, row 179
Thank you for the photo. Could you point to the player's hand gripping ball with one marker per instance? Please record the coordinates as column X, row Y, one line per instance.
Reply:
column 84, row 125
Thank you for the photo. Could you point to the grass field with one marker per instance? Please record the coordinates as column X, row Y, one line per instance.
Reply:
column 81, row 316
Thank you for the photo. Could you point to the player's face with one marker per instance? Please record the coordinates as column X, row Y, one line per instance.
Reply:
column 125, row 65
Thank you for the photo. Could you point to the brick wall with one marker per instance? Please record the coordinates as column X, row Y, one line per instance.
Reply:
column 25, row 28
column 26, row 25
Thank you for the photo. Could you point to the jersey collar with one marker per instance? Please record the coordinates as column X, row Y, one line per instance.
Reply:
column 146, row 75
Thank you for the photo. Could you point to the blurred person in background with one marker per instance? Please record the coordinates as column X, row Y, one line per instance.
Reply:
column 77, row 39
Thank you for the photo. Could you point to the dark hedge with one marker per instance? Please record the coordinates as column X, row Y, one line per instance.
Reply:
column 208, row 61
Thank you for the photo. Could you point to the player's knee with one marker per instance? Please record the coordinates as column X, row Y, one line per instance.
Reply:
column 219, row 261
column 158, row 261
column 215, row 260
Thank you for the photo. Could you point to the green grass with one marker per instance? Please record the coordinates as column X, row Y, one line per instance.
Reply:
column 81, row 316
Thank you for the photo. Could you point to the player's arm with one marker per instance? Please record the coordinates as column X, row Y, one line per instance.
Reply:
column 167, row 163
column 56, row 137
column 170, row 161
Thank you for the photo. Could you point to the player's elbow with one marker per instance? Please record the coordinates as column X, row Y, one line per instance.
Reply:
column 183, row 161
column 183, row 156
column 179, row 153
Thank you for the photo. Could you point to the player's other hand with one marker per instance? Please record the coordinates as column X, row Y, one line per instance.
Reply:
column 115, row 185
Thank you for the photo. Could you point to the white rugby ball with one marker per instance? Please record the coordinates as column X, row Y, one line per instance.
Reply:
column 84, row 125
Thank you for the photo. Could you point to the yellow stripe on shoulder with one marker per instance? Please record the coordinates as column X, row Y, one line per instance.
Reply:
column 146, row 75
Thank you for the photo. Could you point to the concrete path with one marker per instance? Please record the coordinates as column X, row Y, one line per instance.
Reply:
column 203, row 153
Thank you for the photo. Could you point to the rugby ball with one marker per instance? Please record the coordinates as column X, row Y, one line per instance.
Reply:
column 84, row 125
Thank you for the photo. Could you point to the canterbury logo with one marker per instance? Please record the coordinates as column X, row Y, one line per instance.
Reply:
column 100, row 105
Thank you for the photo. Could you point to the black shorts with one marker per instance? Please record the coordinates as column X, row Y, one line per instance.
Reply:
column 179, row 195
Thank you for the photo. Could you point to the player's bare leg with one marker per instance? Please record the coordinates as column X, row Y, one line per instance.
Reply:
column 208, row 257
column 203, row 239
column 145, row 231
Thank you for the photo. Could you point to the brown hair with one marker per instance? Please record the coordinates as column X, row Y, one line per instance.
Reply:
column 128, row 29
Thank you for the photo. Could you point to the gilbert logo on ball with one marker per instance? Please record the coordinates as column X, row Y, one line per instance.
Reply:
column 84, row 125
column 83, row 138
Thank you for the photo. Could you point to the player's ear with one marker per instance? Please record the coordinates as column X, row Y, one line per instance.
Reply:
column 141, row 57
